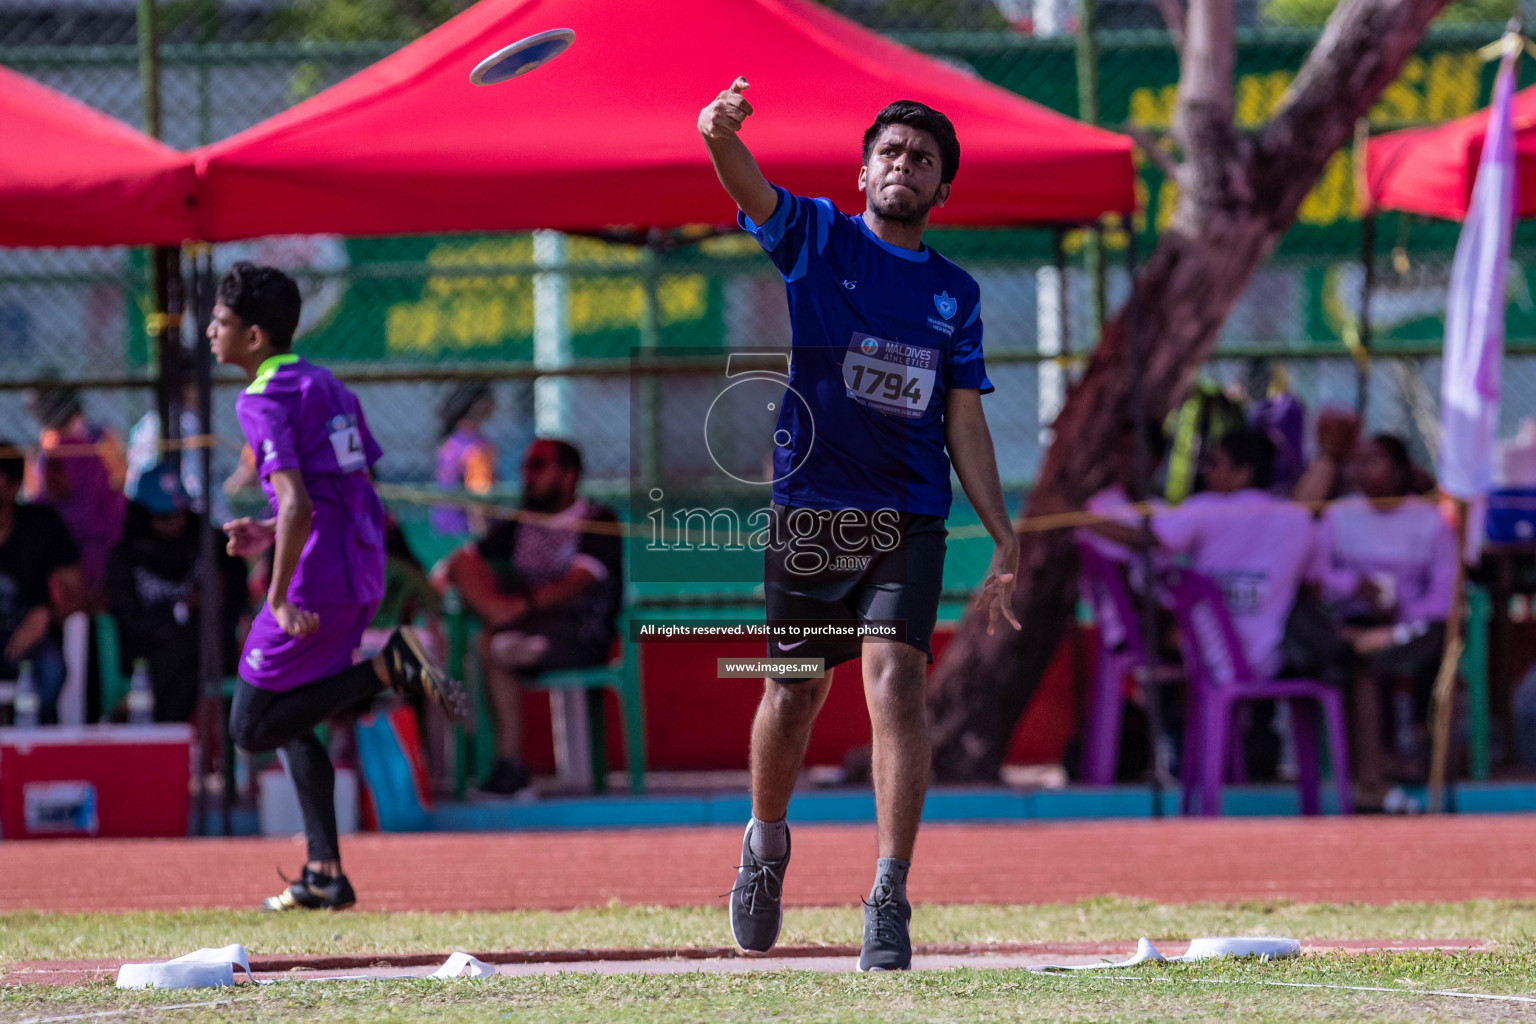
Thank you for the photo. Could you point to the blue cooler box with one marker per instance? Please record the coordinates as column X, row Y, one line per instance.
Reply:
column 1512, row 515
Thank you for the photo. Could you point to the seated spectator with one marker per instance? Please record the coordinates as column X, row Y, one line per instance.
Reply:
column 546, row 589
column 1387, row 560
column 152, row 591
column 39, row 585
column 1338, row 435
column 1124, row 491
column 466, row 460
column 80, row 472
column 1258, row 547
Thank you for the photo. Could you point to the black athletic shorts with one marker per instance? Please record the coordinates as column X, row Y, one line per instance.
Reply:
column 845, row 567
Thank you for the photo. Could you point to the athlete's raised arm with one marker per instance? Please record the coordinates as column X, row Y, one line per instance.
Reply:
column 719, row 123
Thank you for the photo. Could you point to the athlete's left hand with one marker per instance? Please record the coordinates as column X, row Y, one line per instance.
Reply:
column 294, row 620
column 997, row 589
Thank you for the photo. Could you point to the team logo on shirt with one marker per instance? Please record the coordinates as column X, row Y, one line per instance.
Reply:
column 255, row 658
column 945, row 305
column 268, row 451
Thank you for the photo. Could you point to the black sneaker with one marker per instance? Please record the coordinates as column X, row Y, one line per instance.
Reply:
column 757, row 901
column 887, row 944
column 313, row 891
column 508, row 775
column 413, row 673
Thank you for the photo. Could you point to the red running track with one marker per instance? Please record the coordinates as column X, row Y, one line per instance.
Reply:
column 1374, row 860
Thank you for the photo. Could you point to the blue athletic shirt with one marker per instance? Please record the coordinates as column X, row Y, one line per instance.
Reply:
column 880, row 335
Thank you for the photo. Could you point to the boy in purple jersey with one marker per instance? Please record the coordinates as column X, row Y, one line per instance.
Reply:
column 888, row 372
column 313, row 451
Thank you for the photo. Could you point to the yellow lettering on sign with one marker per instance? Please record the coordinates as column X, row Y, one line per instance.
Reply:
column 1258, row 96
column 460, row 312
column 1152, row 107
column 1442, row 87
column 1451, row 88
column 1334, row 196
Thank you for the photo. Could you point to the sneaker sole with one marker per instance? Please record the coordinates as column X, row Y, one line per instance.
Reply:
column 290, row 907
column 447, row 691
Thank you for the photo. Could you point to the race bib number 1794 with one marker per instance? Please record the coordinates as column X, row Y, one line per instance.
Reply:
column 889, row 376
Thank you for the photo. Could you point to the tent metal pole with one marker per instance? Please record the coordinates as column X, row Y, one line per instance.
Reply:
column 213, row 731
column 1367, row 290
column 1139, row 343
column 1059, row 256
column 1088, row 112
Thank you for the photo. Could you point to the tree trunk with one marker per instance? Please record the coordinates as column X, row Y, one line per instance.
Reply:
column 1238, row 195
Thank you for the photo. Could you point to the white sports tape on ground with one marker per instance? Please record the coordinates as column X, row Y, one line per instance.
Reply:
column 1200, row 949
column 213, row 968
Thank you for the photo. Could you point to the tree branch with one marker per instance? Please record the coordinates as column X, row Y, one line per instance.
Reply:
column 1173, row 16
column 1202, row 114
column 1361, row 52
column 1152, row 144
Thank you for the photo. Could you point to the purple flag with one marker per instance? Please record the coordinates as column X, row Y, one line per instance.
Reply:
column 1474, row 314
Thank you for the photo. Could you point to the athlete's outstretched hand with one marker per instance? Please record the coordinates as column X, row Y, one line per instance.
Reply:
column 294, row 620
column 727, row 113
column 996, row 595
column 248, row 536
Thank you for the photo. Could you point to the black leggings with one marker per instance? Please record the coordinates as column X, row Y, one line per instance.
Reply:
column 263, row 720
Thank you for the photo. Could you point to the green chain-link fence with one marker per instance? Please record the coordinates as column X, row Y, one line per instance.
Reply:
column 405, row 318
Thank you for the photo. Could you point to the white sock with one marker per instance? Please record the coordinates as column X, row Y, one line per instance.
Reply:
column 770, row 839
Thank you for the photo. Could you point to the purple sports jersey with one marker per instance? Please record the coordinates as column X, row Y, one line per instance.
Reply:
column 297, row 416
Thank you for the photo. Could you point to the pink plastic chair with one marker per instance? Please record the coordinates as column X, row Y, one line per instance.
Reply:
column 1219, row 679
column 1120, row 651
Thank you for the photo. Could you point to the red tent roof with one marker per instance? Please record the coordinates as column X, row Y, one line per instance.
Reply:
column 72, row 175
column 1431, row 170
column 605, row 135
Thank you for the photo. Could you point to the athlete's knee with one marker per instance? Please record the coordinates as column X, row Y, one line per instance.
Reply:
column 795, row 700
column 895, row 677
column 249, row 736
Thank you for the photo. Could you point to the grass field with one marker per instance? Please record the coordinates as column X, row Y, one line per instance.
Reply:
column 1228, row 991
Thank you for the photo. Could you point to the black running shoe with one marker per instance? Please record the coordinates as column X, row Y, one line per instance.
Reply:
column 313, row 891
column 757, row 901
column 413, row 673
column 887, row 944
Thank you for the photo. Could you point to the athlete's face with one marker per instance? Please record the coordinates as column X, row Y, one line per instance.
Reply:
column 901, row 177
column 232, row 342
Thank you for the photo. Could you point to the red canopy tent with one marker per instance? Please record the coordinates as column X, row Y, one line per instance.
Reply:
column 75, row 176
column 1430, row 170
column 605, row 135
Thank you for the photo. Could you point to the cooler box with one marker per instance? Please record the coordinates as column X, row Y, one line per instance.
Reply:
column 1512, row 515
column 95, row 780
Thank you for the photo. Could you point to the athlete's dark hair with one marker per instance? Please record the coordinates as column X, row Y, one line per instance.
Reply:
column 12, row 466
column 567, row 455
column 460, row 401
column 924, row 118
column 1396, row 451
column 1253, row 449
column 263, row 297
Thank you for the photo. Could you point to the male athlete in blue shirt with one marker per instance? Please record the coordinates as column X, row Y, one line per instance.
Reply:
column 888, row 376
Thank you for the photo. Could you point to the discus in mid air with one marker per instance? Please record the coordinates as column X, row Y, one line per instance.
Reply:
column 521, row 57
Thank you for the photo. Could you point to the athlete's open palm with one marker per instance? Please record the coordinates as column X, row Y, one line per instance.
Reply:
column 996, row 597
